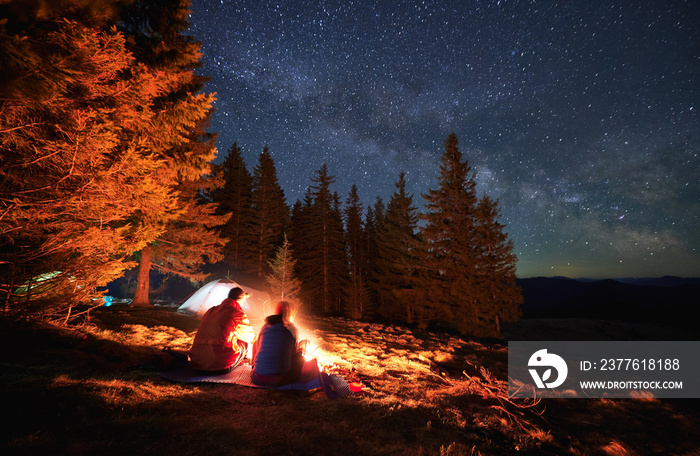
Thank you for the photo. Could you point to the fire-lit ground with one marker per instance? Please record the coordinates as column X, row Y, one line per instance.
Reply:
column 380, row 356
column 72, row 392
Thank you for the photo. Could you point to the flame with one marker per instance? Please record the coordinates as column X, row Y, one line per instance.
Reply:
column 312, row 349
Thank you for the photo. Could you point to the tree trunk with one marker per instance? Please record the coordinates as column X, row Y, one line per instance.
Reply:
column 142, row 287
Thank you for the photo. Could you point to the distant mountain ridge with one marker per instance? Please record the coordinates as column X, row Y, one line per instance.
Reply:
column 665, row 281
column 669, row 300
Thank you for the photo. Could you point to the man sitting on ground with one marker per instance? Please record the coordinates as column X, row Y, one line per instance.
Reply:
column 224, row 334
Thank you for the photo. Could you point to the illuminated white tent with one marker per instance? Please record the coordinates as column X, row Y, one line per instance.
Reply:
column 257, row 305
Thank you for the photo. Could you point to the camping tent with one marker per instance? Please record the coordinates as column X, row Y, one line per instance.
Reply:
column 257, row 306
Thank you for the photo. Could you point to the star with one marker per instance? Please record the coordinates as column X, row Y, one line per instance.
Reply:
column 573, row 115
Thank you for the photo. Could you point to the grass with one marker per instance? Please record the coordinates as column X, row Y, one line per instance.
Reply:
column 70, row 391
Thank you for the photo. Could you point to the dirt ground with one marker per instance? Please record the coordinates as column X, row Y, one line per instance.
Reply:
column 71, row 390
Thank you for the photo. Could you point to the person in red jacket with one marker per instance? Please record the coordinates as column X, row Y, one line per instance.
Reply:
column 223, row 337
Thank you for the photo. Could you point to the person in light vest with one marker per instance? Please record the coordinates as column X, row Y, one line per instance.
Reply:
column 277, row 358
column 223, row 337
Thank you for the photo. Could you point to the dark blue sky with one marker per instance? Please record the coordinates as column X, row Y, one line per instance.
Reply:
column 580, row 116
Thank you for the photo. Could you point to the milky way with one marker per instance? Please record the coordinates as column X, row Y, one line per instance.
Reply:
column 580, row 116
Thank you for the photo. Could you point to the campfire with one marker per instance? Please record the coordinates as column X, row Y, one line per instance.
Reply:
column 312, row 347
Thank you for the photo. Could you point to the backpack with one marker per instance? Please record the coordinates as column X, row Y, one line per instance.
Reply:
column 166, row 359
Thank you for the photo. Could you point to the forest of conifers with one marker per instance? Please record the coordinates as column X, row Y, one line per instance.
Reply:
column 107, row 166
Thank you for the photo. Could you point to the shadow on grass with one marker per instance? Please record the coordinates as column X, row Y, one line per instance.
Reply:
column 69, row 395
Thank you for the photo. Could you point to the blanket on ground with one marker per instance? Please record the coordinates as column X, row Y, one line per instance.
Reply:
column 311, row 378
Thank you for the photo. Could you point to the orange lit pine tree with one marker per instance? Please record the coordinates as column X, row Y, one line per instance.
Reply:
column 191, row 240
column 76, row 166
column 282, row 282
column 176, row 138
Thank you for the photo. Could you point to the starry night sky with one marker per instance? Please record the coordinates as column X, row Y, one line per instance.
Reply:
column 580, row 116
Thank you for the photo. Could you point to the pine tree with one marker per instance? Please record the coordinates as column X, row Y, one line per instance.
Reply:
column 300, row 226
column 324, row 262
column 76, row 164
column 193, row 240
column 154, row 32
column 234, row 198
column 450, row 254
column 337, row 257
column 282, row 282
column 468, row 263
column 373, row 222
column 190, row 241
column 316, row 226
column 357, row 293
column 500, row 297
column 397, row 256
column 271, row 213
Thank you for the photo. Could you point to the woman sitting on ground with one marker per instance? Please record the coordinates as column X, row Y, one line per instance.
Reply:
column 277, row 359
